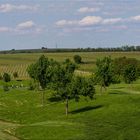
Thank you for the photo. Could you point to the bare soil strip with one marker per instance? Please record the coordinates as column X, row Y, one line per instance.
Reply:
column 5, row 130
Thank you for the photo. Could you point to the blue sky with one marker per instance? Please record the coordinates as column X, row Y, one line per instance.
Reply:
column 69, row 23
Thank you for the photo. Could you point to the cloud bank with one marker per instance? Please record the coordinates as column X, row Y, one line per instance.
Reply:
column 5, row 8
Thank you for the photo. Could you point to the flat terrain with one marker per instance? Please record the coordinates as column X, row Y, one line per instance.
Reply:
column 19, row 62
column 113, row 115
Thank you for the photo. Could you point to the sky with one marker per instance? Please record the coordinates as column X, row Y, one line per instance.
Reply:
column 27, row 24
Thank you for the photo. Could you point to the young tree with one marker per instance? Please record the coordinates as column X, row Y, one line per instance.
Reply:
column 130, row 74
column 62, row 75
column 77, row 59
column 104, row 75
column 6, row 77
column 67, row 86
column 38, row 71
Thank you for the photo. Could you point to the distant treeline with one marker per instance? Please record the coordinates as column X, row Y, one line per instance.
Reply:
column 51, row 50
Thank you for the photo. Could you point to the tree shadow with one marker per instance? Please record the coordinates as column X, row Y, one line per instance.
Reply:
column 55, row 99
column 117, row 92
column 85, row 109
column 88, row 62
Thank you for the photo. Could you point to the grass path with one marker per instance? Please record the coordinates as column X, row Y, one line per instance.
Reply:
column 5, row 131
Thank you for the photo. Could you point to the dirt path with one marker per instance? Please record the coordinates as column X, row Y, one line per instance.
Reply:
column 5, row 133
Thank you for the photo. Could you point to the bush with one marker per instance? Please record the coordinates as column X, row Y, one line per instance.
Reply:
column 6, row 88
column 32, row 85
column 15, row 74
column 6, row 77
column 77, row 59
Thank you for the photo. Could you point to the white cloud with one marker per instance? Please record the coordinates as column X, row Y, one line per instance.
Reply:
column 112, row 20
column 86, row 21
column 26, row 25
column 5, row 29
column 87, row 10
column 135, row 18
column 90, row 20
column 4, row 8
column 62, row 23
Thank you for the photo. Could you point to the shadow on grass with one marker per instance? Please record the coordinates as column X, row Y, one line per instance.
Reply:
column 85, row 109
column 88, row 62
column 117, row 92
column 55, row 99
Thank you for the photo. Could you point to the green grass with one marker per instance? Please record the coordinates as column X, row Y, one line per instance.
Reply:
column 19, row 62
column 113, row 115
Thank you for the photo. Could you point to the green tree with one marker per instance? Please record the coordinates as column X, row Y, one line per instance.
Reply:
column 104, row 75
column 39, row 72
column 123, row 66
column 62, row 75
column 67, row 86
column 6, row 77
column 77, row 59
column 130, row 74
column 121, row 63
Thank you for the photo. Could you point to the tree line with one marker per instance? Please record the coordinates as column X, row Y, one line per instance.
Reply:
column 126, row 48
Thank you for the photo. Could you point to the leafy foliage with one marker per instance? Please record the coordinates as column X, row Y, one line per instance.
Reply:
column 39, row 71
column 81, row 86
column 127, row 68
column 130, row 74
column 77, row 59
column 6, row 77
column 67, row 86
column 104, row 75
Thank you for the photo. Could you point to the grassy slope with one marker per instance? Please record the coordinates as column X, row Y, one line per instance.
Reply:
column 113, row 116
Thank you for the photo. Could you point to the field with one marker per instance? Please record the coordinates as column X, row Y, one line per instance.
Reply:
column 111, row 115
column 19, row 62
column 114, row 115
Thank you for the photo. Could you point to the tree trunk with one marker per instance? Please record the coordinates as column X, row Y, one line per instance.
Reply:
column 101, row 90
column 43, row 97
column 67, row 105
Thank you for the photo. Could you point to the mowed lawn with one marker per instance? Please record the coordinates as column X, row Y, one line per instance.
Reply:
column 19, row 62
column 112, row 115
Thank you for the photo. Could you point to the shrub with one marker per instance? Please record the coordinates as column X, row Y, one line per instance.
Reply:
column 77, row 59
column 6, row 77
column 15, row 74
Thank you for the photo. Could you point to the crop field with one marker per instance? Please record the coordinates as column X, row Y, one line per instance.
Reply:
column 19, row 62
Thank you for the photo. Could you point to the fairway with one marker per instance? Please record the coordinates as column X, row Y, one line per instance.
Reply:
column 112, row 115
column 19, row 62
